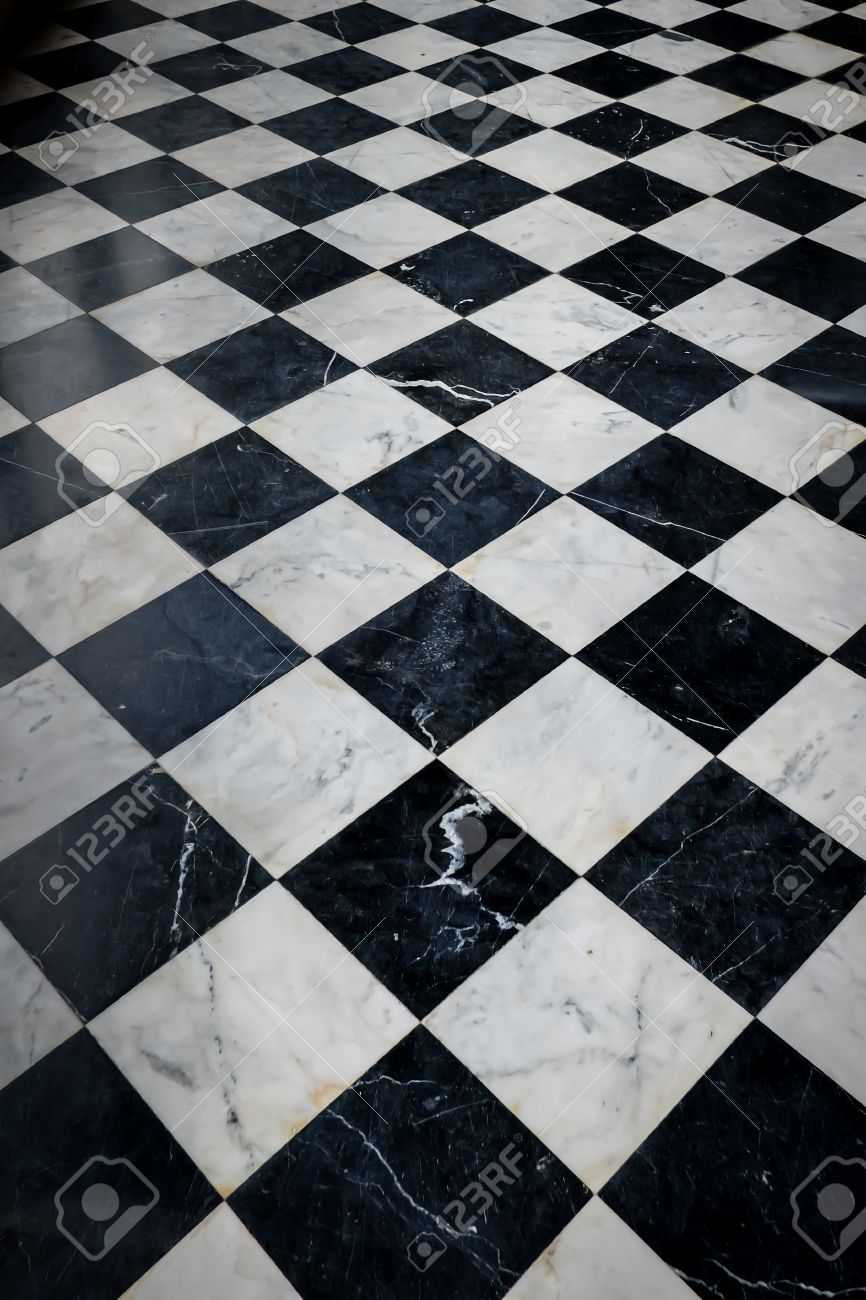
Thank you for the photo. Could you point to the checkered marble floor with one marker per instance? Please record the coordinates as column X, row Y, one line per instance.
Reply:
column 433, row 656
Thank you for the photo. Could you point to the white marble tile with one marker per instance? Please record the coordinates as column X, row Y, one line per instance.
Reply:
column 324, row 574
column 744, row 325
column 416, row 47
column 797, row 570
column 820, row 1010
column 370, row 317
column 566, row 432
column 180, row 315
column 544, row 48
column 295, row 763
column 244, row 155
column 270, row 94
column 598, row 1256
column 105, row 149
column 61, row 750
column 557, row 321
column 153, row 93
column 421, row 11
column 10, row 419
column 559, row 1025
column 300, row 9
column 830, row 108
column 720, row 235
column 803, row 54
column 394, row 158
column 351, row 429
column 28, row 306
column 856, row 321
column 673, row 53
column 807, row 750
column 169, row 417
column 543, row 11
column 235, row 1047
column 384, row 230
column 847, row 233
column 35, row 1018
column 164, row 40
column 667, row 13
column 38, row 227
column 550, row 160
column 579, row 760
column 69, row 579
column 774, row 435
column 219, row 1259
column 551, row 100
column 282, row 46
column 552, row 232
column 687, row 102
column 788, row 14
column 407, row 98
column 177, row 8
column 703, row 163
column 839, row 160
column 568, row 573
column 215, row 227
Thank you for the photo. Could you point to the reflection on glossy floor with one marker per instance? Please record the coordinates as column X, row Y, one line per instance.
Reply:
column 433, row 660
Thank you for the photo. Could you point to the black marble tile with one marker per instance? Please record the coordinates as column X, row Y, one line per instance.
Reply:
column 766, row 132
column 226, row 22
column 455, row 876
column 471, row 193
column 30, row 485
column 260, row 368
column 186, row 122
column 452, row 496
column 342, row 71
column 102, row 270
column 227, row 494
column 631, row 195
column 790, row 198
column 613, row 74
column 309, row 191
column 478, row 73
column 730, row 31
column 70, row 1123
column 143, row 864
column 701, row 661
column 411, row 663
column 811, row 276
column 838, row 491
column 20, row 180
column 459, row 371
column 481, row 25
column 657, row 375
column 372, row 1185
column 853, row 653
column 289, row 269
column 61, row 366
column 476, row 133
column 357, row 22
column 748, row 78
column 19, row 652
column 622, row 129
column 71, row 64
column 828, row 370
column 41, row 118
column 111, row 17
column 606, row 27
column 705, row 874
column 181, row 661
column 676, row 498
column 734, row 1161
column 215, row 65
column 333, row 124
column 149, row 188
column 466, row 273
column 643, row 276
